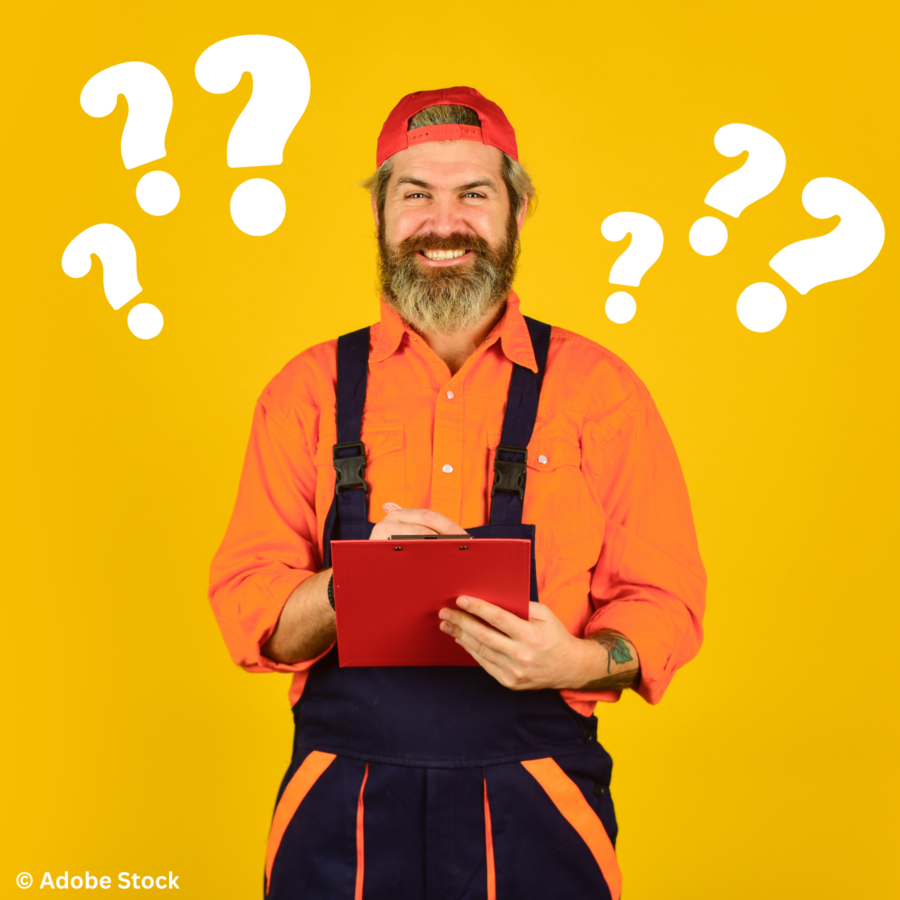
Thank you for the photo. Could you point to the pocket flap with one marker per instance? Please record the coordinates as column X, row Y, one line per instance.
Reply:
column 383, row 440
column 546, row 453
column 377, row 442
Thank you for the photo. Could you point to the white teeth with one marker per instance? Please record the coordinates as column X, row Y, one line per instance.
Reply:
column 444, row 254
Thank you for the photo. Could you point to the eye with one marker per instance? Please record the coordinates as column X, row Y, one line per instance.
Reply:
column 474, row 194
column 415, row 196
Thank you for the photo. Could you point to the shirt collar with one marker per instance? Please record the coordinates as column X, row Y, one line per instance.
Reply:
column 514, row 336
column 389, row 334
column 511, row 331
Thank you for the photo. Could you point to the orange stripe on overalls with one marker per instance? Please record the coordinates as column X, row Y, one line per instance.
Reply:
column 489, row 847
column 298, row 787
column 360, row 841
column 569, row 800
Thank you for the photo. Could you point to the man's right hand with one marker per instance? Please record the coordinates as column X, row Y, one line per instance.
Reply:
column 413, row 521
column 306, row 626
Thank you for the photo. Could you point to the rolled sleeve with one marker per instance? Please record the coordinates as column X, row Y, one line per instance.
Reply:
column 649, row 583
column 270, row 545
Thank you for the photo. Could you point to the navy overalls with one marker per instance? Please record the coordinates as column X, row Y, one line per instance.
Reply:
column 438, row 783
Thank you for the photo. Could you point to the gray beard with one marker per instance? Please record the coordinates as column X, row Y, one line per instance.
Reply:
column 447, row 300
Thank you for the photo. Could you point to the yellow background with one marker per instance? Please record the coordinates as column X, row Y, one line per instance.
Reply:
column 132, row 743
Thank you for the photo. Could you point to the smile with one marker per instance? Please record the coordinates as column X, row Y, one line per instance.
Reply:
column 443, row 254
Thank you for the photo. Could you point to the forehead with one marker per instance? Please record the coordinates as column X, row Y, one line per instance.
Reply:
column 448, row 163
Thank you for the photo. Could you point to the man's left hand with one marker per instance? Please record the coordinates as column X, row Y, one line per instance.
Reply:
column 522, row 654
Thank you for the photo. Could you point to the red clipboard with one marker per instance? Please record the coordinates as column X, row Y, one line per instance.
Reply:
column 387, row 595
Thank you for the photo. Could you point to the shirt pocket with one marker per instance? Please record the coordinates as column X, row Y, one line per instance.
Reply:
column 545, row 454
column 558, row 501
column 385, row 467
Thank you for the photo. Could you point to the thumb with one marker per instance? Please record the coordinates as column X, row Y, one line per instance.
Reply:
column 539, row 612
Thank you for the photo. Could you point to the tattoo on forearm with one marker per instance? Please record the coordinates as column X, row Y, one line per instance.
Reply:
column 617, row 682
column 616, row 648
column 619, row 653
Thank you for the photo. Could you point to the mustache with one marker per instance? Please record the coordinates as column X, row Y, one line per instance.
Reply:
column 456, row 241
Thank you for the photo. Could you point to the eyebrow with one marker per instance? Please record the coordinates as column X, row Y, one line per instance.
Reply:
column 416, row 181
column 482, row 182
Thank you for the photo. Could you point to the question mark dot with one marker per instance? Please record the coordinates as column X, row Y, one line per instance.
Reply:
column 708, row 236
column 145, row 321
column 258, row 207
column 158, row 193
column 761, row 307
column 620, row 307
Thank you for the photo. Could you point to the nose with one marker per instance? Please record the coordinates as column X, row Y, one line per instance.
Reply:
column 446, row 217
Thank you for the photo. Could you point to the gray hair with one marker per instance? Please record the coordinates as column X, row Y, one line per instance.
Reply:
column 517, row 180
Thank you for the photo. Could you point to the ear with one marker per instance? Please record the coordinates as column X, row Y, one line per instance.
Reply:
column 375, row 212
column 520, row 215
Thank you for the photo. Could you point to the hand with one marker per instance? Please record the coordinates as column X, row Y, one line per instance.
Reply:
column 412, row 521
column 524, row 655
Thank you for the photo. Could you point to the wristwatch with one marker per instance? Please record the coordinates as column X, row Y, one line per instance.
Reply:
column 331, row 591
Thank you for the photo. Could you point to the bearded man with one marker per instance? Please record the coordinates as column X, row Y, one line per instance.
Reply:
column 456, row 414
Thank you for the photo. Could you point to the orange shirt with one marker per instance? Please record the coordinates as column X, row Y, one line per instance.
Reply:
column 615, row 545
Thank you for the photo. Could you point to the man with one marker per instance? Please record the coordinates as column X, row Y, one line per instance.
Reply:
column 457, row 414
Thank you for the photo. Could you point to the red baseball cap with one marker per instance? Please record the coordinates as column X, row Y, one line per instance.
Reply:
column 495, row 130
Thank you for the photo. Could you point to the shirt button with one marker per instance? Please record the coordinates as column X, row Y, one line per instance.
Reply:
column 542, row 460
column 447, row 468
column 449, row 395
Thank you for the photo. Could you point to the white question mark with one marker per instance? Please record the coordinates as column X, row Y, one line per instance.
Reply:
column 644, row 250
column 144, row 136
column 844, row 252
column 757, row 177
column 280, row 96
column 120, row 284
column 850, row 248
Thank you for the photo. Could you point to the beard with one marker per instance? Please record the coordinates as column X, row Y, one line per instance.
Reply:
column 447, row 299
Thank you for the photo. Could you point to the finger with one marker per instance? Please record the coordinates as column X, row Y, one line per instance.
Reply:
column 429, row 518
column 475, row 634
column 498, row 672
column 499, row 618
column 390, row 507
column 387, row 528
column 478, row 649
column 414, row 529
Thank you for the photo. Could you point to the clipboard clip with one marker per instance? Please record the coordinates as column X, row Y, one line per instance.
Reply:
column 350, row 470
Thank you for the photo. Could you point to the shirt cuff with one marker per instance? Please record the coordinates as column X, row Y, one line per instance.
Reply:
column 642, row 624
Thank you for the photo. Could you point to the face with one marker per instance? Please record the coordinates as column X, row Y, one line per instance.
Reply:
column 448, row 237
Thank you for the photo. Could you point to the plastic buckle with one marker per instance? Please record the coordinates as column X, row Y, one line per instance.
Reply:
column 350, row 470
column 510, row 476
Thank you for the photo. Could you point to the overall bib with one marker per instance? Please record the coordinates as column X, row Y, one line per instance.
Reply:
column 438, row 783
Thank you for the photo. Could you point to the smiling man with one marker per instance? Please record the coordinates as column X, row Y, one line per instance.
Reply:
column 457, row 414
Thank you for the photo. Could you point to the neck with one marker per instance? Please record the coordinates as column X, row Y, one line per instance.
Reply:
column 454, row 349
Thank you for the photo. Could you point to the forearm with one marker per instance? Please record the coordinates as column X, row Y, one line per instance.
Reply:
column 610, row 663
column 306, row 626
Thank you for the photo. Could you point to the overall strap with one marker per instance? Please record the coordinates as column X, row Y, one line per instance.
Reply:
column 508, row 491
column 350, row 489
column 352, row 378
